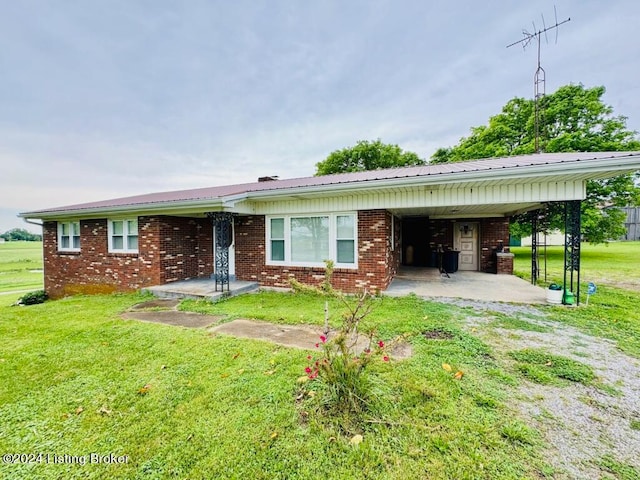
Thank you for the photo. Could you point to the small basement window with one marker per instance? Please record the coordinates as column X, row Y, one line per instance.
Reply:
column 69, row 236
column 123, row 236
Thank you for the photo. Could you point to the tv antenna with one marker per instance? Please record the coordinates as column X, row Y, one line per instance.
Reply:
column 539, row 77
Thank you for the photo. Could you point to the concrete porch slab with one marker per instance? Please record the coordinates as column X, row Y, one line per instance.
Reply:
column 428, row 282
column 200, row 288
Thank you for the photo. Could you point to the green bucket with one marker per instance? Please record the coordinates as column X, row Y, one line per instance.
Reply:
column 569, row 298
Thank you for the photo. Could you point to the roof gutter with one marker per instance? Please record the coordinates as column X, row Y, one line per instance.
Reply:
column 31, row 222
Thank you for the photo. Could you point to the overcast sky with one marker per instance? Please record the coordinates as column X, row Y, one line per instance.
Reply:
column 102, row 99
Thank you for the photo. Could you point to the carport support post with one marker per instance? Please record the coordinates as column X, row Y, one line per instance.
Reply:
column 223, row 231
column 572, row 247
column 535, row 269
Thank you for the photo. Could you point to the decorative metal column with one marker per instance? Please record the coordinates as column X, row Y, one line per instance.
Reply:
column 222, row 222
column 572, row 247
column 535, row 268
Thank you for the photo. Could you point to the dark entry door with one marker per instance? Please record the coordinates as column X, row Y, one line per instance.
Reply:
column 415, row 242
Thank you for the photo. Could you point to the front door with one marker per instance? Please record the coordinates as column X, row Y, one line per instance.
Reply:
column 466, row 242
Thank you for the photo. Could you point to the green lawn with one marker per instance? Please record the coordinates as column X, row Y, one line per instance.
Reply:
column 73, row 378
column 613, row 311
column 612, row 264
column 20, row 267
column 76, row 379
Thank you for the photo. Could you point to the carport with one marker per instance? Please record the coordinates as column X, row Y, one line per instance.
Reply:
column 465, row 215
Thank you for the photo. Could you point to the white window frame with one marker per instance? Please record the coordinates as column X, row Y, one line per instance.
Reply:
column 71, row 248
column 125, row 234
column 333, row 240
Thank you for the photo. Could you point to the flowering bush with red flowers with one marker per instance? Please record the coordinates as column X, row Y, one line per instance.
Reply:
column 346, row 354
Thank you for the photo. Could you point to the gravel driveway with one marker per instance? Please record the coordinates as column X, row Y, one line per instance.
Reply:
column 581, row 425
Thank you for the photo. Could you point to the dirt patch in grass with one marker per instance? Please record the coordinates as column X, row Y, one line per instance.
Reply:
column 628, row 284
column 583, row 424
column 437, row 335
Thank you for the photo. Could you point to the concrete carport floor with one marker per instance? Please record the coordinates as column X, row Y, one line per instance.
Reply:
column 429, row 282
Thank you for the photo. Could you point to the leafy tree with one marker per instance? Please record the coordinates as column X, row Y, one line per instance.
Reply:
column 20, row 234
column 366, row 155
column 573, row 119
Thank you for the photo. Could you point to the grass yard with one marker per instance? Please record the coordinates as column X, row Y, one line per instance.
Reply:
column 76, row 379
column 613, row 311
column 20, row 268
column 181, row 403
column 616, row 264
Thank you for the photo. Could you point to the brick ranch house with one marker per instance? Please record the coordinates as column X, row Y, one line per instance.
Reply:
column 368, row 223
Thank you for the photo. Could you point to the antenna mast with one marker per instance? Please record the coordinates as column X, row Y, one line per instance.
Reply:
column 539, row 77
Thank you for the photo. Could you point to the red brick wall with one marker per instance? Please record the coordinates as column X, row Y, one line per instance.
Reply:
column 376, row 262
column 186, row 248
column 175, row 248
column 250, row 248
column 492, row 232
column 161, row 256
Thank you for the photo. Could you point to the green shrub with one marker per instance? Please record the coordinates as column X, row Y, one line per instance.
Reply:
column 33, row 298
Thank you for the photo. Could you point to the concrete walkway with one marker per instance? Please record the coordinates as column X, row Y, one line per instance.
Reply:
column 429, row 283
column 304, row 337
column 165, row 311
column 296, row 336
